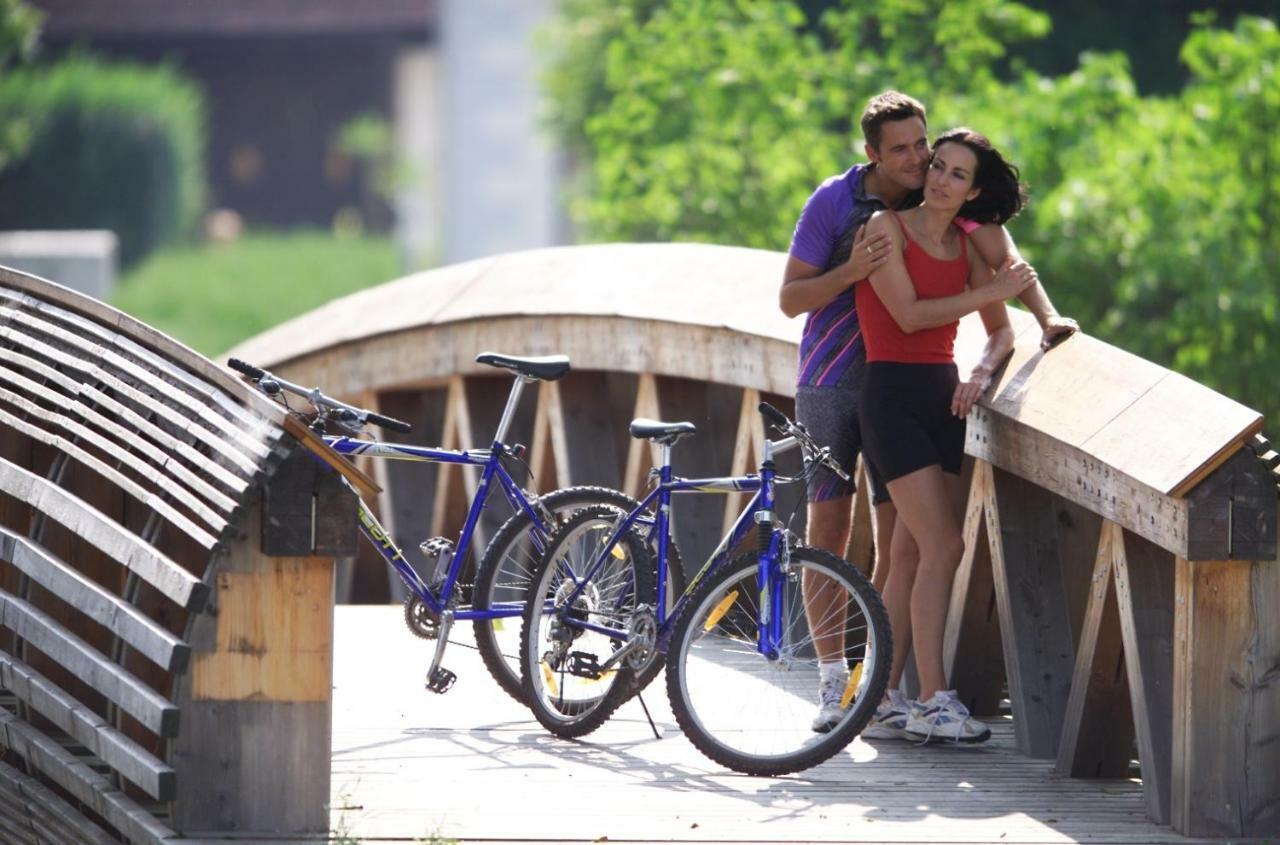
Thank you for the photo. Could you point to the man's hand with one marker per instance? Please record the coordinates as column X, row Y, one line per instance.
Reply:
column 868, row 253
column 1057, row 329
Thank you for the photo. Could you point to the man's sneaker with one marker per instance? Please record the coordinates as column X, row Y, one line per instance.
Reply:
column 830, row 691
column 890, row 720
column 944, row 718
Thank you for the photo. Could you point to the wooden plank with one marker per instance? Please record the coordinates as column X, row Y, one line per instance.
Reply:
column 1226, row 699
column 1078, row 477
column 81, row 781
column 972, row 654
column 149, row 499
column 1098, row 727
column 88, row 395
column 454, row 495
column 152, row 710
column 230, row 431
column 94, row 373
column 38, row 800
column 543, row 458
column 127, row 442
column 274, row 634
column 1232, row 513
column 589, row 436
column 115, row 749
column 642, row 455
column 746, row 450
column 1144, row 577
column 310, row 441
column 127, row 548
column 101, row 605
column 1034, row 618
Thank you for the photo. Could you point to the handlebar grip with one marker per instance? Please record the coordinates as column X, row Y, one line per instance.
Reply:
column 774, row 416
column 248, row 369
column 389, row 423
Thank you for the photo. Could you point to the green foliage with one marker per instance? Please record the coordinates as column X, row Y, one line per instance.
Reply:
column 1153, row 219
column 19, row 27
column 109, row 146
column 212, row 297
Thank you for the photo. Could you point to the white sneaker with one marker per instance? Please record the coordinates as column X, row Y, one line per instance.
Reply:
column 830, row 691
column 890, row 720
column 944, row 718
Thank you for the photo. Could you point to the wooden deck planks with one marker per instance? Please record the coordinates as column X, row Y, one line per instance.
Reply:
column 474, row 765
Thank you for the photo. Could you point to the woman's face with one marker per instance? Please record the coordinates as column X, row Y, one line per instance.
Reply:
column 952, row 170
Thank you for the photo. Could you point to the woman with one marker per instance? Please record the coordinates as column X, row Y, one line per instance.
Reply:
column 914, row 405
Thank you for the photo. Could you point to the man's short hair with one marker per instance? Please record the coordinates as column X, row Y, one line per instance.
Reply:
column 886, row 107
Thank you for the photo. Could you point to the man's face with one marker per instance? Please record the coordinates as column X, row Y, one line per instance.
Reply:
column 903, row 156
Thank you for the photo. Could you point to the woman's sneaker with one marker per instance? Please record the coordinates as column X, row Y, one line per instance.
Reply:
column 890, row 720
column 944, row 718
column 830, row 691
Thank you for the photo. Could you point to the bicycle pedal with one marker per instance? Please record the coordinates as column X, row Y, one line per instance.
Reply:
column 581, row 664
column 440, row 680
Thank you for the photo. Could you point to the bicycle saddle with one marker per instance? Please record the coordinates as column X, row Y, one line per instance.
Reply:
column 661, row 432
column 547, row 367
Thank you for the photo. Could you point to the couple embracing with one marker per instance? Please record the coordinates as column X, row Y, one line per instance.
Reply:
column 885, row 259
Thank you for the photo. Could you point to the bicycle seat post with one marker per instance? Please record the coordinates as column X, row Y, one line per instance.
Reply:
column 513, row 399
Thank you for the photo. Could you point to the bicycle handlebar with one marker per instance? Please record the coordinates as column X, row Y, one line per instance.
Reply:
column 812, row 451
column 348, row 415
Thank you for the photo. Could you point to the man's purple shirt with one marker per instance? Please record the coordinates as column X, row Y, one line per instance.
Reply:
column 831, row 350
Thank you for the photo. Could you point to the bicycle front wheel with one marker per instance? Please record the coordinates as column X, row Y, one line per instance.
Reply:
column 575, row 626
column 752, row 712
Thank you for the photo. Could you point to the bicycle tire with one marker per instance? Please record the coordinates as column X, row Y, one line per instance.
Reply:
column 752, row 714
column 569, row 703
column 508, row 565
column 506, row 569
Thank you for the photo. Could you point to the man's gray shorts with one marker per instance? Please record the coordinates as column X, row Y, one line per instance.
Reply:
column 831, row 415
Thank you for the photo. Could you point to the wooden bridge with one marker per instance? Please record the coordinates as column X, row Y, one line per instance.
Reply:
column 170, row 639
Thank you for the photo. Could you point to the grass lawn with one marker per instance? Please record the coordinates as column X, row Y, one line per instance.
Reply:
column 213, row 296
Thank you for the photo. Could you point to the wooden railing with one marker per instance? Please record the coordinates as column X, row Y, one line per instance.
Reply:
column 147, row 573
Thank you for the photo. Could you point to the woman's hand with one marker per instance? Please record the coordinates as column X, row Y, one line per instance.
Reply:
column 969, row 392
column 1057, row 329
column 868, row 253
column 1013, row 278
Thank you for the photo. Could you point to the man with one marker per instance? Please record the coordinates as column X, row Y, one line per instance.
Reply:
column 829, row 254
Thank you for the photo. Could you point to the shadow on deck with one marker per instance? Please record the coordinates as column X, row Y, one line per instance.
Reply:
column 474, row 765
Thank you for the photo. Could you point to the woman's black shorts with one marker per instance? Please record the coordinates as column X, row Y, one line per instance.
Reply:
column 906, row 418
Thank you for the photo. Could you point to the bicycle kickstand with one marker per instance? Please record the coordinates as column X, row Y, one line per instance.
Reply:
column 440, row 679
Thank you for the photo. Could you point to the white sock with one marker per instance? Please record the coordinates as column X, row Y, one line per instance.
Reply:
column 831, row 669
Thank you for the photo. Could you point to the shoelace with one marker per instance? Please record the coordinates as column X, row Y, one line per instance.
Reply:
column 957, row 707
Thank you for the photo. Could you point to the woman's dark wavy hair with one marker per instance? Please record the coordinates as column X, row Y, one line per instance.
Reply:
column 1002, row 196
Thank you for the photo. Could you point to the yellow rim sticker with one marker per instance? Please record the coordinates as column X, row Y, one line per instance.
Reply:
column 550, row 678
column 720, row 610
column 851, row 688
column 617, row 552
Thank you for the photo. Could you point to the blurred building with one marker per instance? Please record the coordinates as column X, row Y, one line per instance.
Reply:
column 456, row 79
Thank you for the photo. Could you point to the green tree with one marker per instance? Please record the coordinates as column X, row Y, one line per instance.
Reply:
column 19, row 30
column 1153, row 218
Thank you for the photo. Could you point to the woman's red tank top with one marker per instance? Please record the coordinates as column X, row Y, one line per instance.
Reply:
column 932, row 278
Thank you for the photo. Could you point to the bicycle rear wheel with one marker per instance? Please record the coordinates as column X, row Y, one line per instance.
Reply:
column 572, row 626
column 507, row 570
column 752, row 713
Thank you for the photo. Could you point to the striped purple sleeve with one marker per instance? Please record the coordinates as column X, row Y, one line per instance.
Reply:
column 815, row 233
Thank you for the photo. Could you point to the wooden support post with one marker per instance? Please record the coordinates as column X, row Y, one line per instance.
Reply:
column 642, row 455
column 253, row 754
column 971, row 651
column 1034, row 615
column 544, row 457
column 1226, row 699
column 1097, row 731
column 746, row 449
column 453, row 498
column 860, row 550
column 1144, row 577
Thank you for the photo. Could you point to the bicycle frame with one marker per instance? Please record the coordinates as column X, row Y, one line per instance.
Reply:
column 491, row 461
column 759, row 510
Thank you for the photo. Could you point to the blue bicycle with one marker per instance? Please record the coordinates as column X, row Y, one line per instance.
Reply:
column 436, row 598
column 742, row 644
